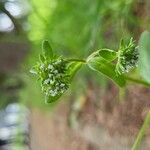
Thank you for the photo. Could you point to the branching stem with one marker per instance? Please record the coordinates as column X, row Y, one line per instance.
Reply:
column 77, row 60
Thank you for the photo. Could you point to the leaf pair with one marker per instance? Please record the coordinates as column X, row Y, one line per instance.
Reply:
column 101, row 60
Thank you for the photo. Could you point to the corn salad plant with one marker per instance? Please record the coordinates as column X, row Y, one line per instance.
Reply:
column 55, row 73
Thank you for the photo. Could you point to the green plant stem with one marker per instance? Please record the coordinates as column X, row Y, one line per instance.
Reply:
column 141, row 132
column 77, row 60
column 137, row 81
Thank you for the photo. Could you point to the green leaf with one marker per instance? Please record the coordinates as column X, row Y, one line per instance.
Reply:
column 122, row 44
column 47, row 50
column 99, row 64
column 50, row 99
column 108, row 54
column 41, row 57
column 144, row 55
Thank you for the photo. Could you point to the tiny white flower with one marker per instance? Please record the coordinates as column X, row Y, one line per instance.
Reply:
column 52, row 81
column 52, row 93
column 46, row 81
column 55, row 71
column 58, row 62
column 50, row 75
column 50, row 66
column 62, row 85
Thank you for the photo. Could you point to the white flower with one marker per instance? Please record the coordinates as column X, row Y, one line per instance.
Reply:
column 62, row 85
column 46, row 81
column 50, row 67
column 55, row 71
column 52, row 82
column 50, row 75
column 52, row 93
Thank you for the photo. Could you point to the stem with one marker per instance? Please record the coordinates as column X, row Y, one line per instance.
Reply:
column 137, row 81
column 77, row 60
column 141, row 132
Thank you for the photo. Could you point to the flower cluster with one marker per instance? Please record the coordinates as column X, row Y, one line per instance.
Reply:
column 127, row 57
column 53, row 75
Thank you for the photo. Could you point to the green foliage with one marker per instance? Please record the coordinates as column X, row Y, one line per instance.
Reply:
column 47, row 51
column 77, row 28
column 144, row 60
column 56, row 73
column 101, row 65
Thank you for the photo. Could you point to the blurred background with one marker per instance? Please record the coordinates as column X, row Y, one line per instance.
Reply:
column 93, row 114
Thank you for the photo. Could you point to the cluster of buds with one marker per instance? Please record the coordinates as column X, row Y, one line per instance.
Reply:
column 127, row 57
column 54, row 77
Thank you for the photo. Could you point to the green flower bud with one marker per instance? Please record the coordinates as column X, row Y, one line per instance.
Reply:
column 127, row 57
column 54, row 77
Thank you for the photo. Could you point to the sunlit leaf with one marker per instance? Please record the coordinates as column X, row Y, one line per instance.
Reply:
column 47, row 50
column 108, row 54
column 102, row 66
column 50, row 99
column 41, row 57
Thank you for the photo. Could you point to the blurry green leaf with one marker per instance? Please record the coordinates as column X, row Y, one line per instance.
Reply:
column 41, row 57
column 101, row 65
column 122, row 44
column 144, row 58
column 47, row 50
column 108, row 54
column 50, row 99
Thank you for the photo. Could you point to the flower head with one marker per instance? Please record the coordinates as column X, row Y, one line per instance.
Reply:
column 54, row 73
column 127, row 57
column 55, row 80
column 54, row 77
